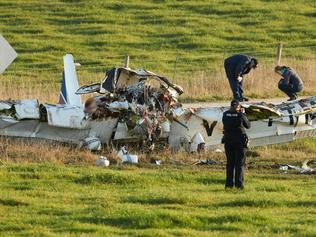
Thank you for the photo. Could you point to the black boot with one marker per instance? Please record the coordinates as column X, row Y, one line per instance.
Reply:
column 293, row 97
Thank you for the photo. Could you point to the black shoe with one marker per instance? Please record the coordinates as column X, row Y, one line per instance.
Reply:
column 239, row 99
column 228, row 187
column 292, row 98
column 245, row 99
column 240, row 187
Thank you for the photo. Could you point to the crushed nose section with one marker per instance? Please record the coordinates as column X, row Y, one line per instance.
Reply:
column 7, row 54
column 140, row 100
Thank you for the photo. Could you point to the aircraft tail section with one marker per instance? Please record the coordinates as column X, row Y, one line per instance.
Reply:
column 7, row 54
column 69, row 83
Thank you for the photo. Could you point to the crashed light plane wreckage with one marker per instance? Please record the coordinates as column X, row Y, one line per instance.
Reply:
column 141, row 107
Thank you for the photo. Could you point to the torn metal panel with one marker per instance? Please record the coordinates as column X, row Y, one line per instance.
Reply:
column 67, row 116
column 122, row 77
column 26, row 109
column 103, row 129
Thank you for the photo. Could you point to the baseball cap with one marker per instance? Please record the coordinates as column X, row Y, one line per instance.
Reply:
column 234, row 103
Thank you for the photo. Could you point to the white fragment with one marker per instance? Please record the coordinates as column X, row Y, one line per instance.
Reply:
column 102, row 161
column 126, row 157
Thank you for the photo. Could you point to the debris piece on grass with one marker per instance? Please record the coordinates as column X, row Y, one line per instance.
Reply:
column 304, row 169
column 102, row 161
column 284, row 167
column 206, row 162
column 126, row 157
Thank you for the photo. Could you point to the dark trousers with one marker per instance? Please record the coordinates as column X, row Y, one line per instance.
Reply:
column 289, row 89
column 235, row 86
column 235, row 154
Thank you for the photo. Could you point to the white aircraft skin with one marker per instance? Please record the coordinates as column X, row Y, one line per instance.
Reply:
column 283, row 126
column 70, row 82
column 66, row 121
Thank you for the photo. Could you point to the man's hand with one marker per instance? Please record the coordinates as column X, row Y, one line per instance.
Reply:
column 239, row 78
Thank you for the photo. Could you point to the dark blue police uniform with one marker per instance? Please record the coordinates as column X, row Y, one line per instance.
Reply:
column 291, row 83
column 237, row 65
column 235, row 146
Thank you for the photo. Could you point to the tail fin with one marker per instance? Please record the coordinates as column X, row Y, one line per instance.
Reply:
column 7, row 54
column 69, row 83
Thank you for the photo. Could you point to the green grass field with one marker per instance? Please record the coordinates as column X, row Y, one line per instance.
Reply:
column 49, row 190
column 199, row 34
column 44, row 197
column 155, row 32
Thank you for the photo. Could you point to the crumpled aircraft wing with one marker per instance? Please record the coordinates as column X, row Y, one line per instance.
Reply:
column 260, row 111
column 7, row 54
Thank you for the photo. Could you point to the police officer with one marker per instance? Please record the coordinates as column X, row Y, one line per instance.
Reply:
column 236, row 67
column 290, row 83
column 236, row 142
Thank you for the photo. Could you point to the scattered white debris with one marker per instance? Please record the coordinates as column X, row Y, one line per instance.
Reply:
column 158, row 162
column 205, row 162
column 126, row 157
column 218, row 150
column 102, row 161
column 284, row 167
column 304, row 169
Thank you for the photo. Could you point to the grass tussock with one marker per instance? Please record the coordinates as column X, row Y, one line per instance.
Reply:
column 23, row 150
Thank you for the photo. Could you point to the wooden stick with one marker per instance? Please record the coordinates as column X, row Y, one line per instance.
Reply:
column 126, row 61
column 278, row 54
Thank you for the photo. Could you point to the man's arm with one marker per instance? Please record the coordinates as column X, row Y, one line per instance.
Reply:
column 286, row 76
column 240, row 68
column 245, row 121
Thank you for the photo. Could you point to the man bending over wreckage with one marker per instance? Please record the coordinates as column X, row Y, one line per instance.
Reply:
column 236, row 67
column 236, row 142
column 290, row 83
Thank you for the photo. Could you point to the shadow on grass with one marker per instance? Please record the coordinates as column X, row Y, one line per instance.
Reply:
column 111, row 178
column 165, row 220
column 12, row 228
column 12, row 202
column 250, row 203
column 266, row 203
column 79, row 230
column 211, row 180
column 22, row 187
column 54, row 212
column 302, row 204
column 155, row 200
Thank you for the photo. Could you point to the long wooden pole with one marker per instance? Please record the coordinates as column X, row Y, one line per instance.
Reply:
column 278, row 54
column 126, row 61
